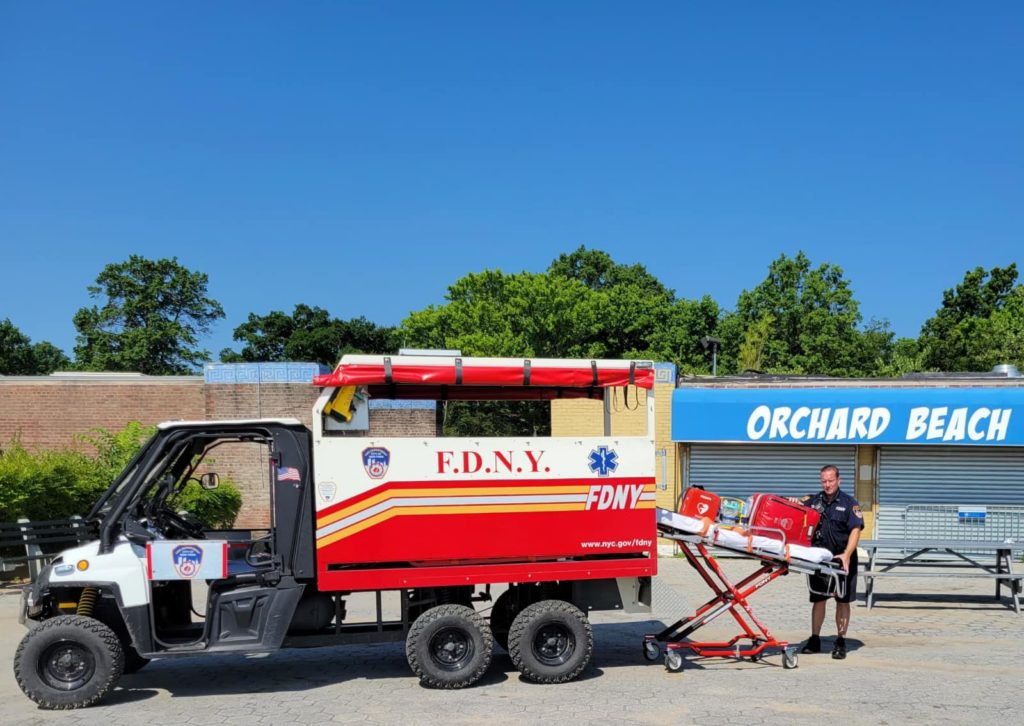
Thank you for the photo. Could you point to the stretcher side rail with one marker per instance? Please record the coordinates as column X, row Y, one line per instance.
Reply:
column 805, row 567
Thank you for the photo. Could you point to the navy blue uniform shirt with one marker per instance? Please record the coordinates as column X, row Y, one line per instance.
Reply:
column 838, row 519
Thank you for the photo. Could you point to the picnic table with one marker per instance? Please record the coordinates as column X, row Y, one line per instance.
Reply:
column 953, row 553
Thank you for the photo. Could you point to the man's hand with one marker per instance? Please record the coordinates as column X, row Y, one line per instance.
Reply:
column 795, row 500
column 845, row 559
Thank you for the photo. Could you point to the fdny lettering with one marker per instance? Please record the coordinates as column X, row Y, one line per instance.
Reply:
column 490, row 462
column 988, row 424
column 614, row 496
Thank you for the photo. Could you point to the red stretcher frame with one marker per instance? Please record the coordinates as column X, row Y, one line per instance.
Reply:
column 731, row 598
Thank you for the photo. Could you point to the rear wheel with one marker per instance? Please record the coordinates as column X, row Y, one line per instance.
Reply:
column 551, row 641
column 449, row 646
column 68, row 662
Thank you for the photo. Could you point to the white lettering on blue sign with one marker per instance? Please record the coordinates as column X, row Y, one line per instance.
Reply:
column 817, row 424
column 939, row 424
column 939, row 416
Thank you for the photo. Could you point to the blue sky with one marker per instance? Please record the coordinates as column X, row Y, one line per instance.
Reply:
column 363, row 156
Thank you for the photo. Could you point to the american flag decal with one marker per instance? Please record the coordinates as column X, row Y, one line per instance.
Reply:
column 287, row 473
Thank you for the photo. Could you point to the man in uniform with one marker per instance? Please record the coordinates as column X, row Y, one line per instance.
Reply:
column 838, row 531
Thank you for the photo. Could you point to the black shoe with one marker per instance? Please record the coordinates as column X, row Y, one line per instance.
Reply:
column 839, row 649
column 813, row 645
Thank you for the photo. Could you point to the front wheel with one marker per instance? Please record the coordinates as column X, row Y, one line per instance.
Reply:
column 68, row 662
column 551, row 641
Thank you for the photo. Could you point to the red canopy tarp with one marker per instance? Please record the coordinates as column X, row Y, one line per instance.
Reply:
column 547, row 373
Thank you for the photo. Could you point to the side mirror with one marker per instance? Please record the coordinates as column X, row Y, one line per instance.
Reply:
column 209, row 481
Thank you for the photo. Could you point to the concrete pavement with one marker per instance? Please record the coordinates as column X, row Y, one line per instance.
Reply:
column 949, row 653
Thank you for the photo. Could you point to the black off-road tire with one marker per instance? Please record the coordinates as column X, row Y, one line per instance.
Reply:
column 449, row 646
column 551, row 641
column 68, row 662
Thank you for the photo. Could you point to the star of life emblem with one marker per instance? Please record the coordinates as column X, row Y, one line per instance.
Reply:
column 603, row 461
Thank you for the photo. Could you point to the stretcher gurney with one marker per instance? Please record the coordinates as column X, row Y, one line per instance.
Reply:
column 776, row 558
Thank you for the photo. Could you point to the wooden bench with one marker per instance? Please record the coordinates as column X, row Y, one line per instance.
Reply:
column 34, row 543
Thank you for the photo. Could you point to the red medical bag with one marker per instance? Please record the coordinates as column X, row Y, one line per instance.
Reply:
column 699, row 504
column 771, row 514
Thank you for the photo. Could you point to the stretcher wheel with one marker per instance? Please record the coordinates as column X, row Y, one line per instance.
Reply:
column 651, row 650
column 790, row 659
column 673, row 661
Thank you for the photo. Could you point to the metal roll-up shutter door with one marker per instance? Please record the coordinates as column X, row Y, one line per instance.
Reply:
column 739, row 470
column 922, row 488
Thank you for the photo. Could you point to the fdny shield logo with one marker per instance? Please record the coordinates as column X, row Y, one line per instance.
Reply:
column 375, row 461
column 187, row 560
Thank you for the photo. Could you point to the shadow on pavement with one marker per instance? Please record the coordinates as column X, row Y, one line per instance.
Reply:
column 615, row 645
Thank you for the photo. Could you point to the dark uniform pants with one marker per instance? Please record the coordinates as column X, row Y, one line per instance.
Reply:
column 822, row 588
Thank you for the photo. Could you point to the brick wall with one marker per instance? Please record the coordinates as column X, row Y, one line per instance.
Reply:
column 47, row 412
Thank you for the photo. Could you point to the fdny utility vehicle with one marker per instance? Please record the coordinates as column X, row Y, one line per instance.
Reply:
column 559, row 526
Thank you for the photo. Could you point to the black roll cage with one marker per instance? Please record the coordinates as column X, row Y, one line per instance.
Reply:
column 178, row 445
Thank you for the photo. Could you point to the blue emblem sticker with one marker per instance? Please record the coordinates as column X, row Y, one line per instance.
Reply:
column 603, row 461
column 187, row 560
column 375, row 461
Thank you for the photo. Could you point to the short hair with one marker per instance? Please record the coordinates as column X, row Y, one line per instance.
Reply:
column 833, row 467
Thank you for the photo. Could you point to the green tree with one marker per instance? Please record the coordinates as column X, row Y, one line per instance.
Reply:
column 1001, row 336
column 634, row 305
column 815, row 323
column 518, row 315
column 677, row 332
column 308, row 334
column 955, row 338
column 755, row 340
column 19, row 357
column 153, row 315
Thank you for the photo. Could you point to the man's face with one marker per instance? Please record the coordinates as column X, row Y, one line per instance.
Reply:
column 829, row 483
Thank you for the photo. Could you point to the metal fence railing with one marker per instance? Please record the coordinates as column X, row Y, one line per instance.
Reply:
column 964, row 522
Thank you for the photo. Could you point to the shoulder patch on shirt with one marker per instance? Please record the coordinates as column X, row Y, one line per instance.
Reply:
column 857, row 512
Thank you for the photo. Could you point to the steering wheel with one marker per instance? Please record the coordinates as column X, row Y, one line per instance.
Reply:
column 178, row 522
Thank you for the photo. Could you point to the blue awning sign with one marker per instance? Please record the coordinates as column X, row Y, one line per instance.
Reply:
column 972, row 416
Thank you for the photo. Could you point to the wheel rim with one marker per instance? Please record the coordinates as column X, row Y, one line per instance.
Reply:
column 554, row 644
column 451, row 649
column 66, row 666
